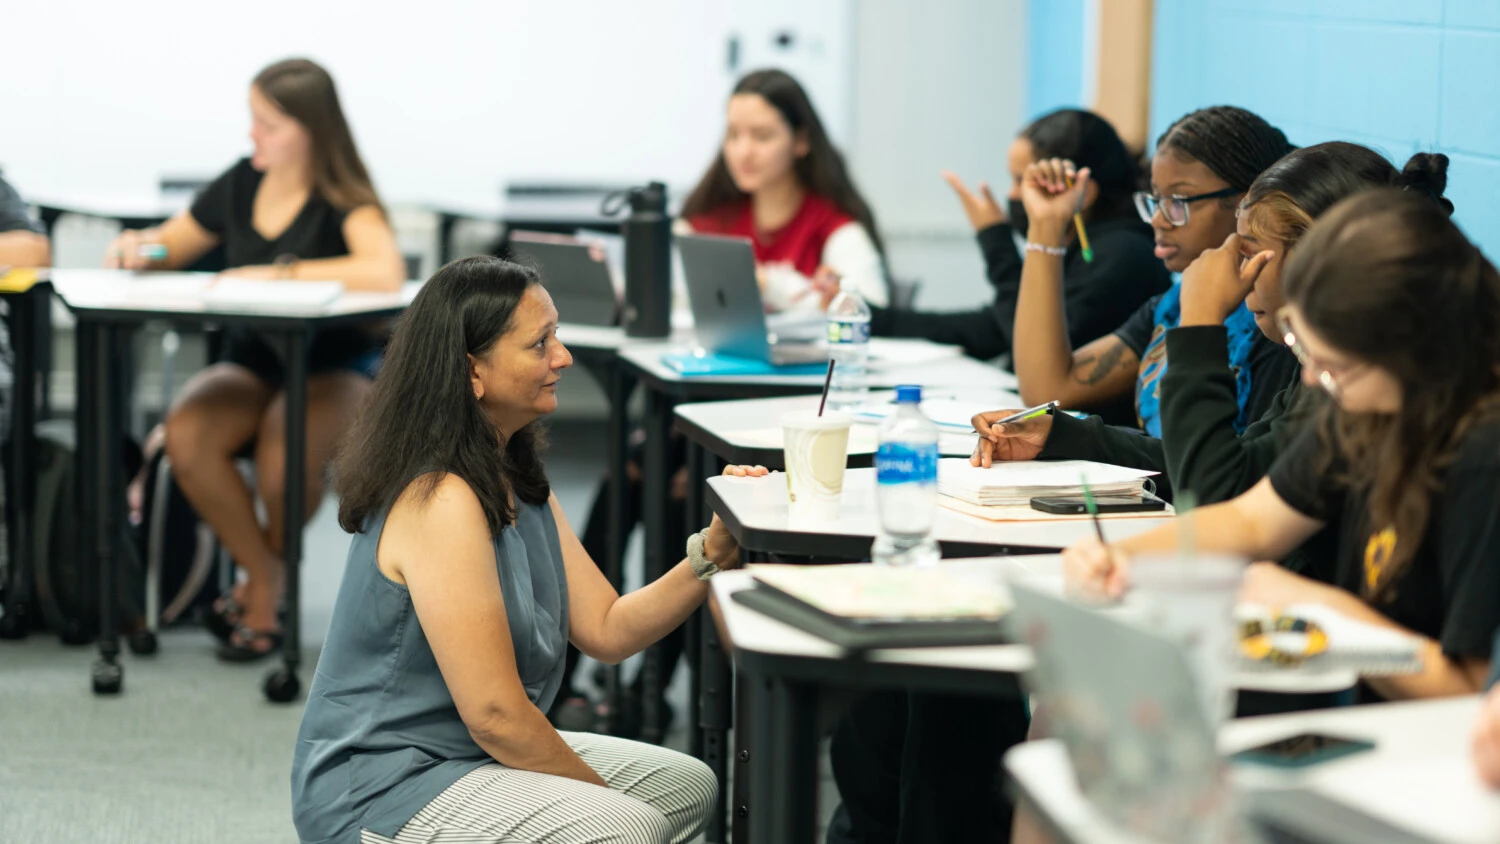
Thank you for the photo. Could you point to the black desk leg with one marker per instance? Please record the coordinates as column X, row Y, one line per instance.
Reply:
column 21, row 482
column 784, row 779
column 656, row 477
column 618, row 387
column 282, row 685
column 101, row 469
column 696, row 519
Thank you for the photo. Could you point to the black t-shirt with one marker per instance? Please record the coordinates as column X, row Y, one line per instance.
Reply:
column 226, row 206
column 1137, row 331
column 1450, row 591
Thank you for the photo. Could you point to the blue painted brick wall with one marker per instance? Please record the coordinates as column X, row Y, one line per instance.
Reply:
column 1054, row 59
column 1397, row 75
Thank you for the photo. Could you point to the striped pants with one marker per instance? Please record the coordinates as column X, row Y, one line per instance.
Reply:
column 655, row 796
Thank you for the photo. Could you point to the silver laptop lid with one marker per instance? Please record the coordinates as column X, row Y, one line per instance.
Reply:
column 728, row 312
column 575, row 273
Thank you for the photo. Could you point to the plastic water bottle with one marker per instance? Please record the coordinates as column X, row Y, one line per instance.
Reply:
column 849, row 348
column 906, row 484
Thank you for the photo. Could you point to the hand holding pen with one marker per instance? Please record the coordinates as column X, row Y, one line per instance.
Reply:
column 1011, row 435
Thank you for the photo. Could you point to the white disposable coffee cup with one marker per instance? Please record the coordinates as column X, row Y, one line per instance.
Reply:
column 817, row 450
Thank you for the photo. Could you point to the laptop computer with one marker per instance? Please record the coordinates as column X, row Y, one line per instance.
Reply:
column 575, row 273
column 728, row 312
column 1124, row 701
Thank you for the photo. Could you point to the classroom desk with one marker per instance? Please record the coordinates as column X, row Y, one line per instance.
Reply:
column 793, row 676
column 892, row 362
column 755, row 510
column 106, row 312
column 28, row 298
column 1418, row 779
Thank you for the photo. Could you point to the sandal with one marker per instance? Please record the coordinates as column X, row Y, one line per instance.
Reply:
column 223, row 618
column 246, row 645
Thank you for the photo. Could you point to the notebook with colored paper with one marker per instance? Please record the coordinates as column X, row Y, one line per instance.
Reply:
column 715, row 364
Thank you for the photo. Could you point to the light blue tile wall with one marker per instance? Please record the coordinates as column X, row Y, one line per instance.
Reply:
column 1054, row 59
column 1398, row 75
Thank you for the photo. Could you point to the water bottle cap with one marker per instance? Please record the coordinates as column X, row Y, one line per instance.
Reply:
column 908, row 394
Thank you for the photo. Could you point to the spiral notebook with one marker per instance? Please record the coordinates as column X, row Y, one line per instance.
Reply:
column 1352, row 645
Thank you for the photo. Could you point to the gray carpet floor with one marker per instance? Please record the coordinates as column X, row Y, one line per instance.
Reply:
column 191, row 752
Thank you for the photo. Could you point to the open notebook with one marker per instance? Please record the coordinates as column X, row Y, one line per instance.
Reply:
column 1015, row 484
column 1352, row 645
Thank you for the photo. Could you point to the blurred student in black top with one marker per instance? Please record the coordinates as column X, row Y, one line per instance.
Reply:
column 301, row 207
column 1395, row 316
column 1100, row 294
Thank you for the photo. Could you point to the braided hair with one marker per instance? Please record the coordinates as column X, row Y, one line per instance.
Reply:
column 1237, row 145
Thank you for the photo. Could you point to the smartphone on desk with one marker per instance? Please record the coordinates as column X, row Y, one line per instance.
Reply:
column 1072, row 506
column 1302, row 750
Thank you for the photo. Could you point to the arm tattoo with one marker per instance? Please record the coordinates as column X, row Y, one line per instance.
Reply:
column 1103, row 364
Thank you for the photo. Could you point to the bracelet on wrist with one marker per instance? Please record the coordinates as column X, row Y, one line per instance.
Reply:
column 1055, row 251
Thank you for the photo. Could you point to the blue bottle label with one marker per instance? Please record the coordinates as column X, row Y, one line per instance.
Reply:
column 904, row 463
column 840, row 331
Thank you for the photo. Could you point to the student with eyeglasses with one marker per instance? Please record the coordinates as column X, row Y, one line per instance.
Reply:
column 1199, row 449
column 1396, row 317
column 1202, row 165
column 1100, row 291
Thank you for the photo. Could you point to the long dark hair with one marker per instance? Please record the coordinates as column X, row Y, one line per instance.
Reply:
column 1388, row 278
column 305, row 92
column 422, row 418
column 1290, row 194
column 821, row 171
column 1088, row 140
column 1237, row 145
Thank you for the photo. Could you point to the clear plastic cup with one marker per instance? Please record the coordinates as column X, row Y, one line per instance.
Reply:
column 817, row 450
column 1191, row 598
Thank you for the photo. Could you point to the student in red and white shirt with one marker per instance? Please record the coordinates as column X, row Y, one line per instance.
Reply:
column 778, row 181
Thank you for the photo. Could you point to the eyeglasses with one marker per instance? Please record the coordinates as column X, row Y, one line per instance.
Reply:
column 1174, row 208
column 1333, row 379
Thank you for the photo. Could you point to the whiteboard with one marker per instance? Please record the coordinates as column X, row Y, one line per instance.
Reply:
column 448, row 99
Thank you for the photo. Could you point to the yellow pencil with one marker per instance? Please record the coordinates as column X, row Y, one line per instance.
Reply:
column 1083, row 235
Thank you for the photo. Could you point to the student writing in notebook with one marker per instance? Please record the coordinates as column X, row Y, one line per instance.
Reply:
column 1202, row 167
column 1099, row 294
column 1395, row 317
column 23, row 241
column 300, row 207
column 1199, row 449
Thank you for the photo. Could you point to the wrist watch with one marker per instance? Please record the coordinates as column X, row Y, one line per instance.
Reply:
column 703, row 567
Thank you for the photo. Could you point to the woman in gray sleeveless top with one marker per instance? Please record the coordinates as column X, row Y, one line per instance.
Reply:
column 463, row 586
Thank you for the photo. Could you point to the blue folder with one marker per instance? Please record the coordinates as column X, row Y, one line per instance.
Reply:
column 714, row 364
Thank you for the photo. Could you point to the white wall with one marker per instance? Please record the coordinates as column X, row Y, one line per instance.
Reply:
column 448, row 98
column 937, row 85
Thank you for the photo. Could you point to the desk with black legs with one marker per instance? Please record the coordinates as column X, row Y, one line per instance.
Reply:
column 107, row 310
column 892, row 362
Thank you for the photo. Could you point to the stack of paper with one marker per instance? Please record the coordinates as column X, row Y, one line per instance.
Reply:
column 254, row 295
column 1012, row 484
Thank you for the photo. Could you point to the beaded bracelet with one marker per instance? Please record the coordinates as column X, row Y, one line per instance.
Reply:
column 1255, row 639
column 1055, row 251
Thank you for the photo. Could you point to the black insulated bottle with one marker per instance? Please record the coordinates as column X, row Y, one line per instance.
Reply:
column 648, row 263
